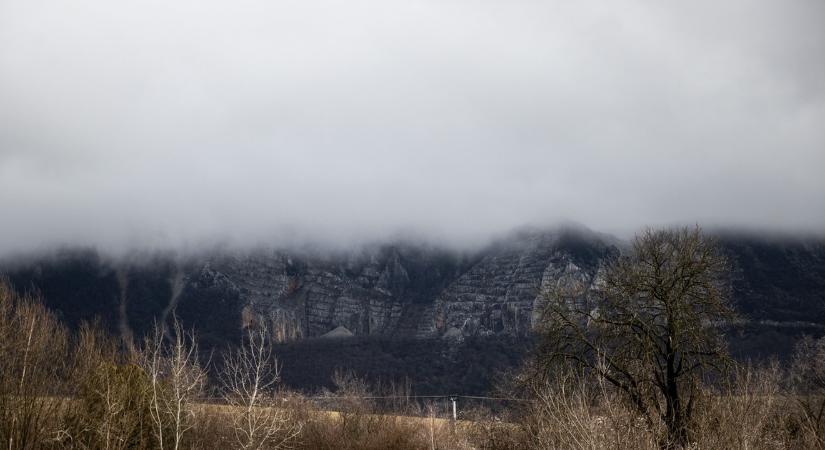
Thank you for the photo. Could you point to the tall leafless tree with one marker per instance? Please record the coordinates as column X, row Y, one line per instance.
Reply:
column 250, row 376
column 33, row 370
column 176, row 379
column 649, row 325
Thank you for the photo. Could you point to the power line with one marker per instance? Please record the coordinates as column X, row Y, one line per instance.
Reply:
column 478, row 397
column 384, row 397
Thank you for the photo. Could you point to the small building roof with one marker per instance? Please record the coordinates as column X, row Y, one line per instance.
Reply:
column 340, row 332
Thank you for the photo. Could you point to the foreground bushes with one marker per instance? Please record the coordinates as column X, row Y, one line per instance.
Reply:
column 32, row 368
column 746, row 411
column 88, row 390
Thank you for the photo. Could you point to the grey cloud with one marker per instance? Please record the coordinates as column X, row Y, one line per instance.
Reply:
column 149, row 123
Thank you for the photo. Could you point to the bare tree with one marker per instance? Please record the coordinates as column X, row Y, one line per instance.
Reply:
column 808, row 379
column 250, row 376
column 32, row 370
column 649, row 326
column 119, row 423
column 176, row 379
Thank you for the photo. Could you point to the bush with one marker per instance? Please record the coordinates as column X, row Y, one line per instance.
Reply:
column 113, row 409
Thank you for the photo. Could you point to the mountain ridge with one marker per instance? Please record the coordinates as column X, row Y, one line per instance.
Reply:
column 392, row 290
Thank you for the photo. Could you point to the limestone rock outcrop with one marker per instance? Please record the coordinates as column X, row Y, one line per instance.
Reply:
column 407, row 290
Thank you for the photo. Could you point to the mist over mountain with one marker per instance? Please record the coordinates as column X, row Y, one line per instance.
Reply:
column 178, row 126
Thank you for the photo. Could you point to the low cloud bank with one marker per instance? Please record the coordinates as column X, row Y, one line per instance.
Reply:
column 176, row 125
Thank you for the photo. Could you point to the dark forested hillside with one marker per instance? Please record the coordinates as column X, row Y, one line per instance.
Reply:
column 778, row 279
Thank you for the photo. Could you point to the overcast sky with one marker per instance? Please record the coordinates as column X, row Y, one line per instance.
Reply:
column 177, row 123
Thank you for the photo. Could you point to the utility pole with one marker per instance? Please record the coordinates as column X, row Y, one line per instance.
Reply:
column 454, row 398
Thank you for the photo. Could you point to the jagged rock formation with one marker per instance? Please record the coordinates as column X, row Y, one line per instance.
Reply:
column 404, row 290
column 502, row 293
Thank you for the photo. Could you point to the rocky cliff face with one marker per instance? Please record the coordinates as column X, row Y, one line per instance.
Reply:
column 400, row 290
column 502, row 292
column 391, row 291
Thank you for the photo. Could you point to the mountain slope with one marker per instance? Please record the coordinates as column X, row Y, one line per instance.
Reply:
column 398, row 291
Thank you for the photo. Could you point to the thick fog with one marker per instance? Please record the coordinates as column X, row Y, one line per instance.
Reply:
column 187, row 122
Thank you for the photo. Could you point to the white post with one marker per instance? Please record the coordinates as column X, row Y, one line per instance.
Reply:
column 453, row 399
